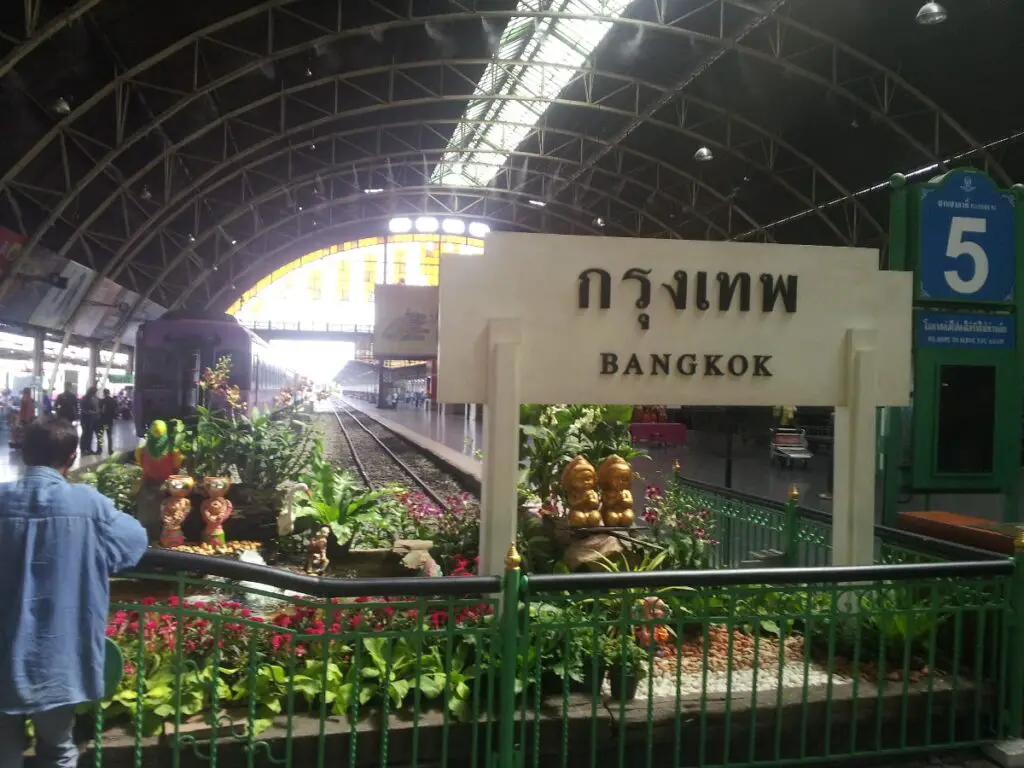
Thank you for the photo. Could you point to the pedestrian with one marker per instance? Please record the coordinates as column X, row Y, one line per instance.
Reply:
column 67, row 403
column 60, row 543
column 26, row 414
column 108, row 413
column 90, row 413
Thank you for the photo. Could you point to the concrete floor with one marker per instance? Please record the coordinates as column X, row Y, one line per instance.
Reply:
column 703, row 458
column 12, row 467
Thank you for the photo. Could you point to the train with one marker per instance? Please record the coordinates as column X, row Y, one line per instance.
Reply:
column 173, row 351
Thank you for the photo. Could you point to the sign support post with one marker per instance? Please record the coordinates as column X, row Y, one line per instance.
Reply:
column 498, row 513
column 853, row 456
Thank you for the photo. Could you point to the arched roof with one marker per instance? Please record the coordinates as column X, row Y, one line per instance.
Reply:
column 154, row 142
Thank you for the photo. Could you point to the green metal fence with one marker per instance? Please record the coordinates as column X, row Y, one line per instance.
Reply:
column 729, row 667
column 745, row 524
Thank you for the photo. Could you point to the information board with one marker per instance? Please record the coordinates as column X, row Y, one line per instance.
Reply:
column 954, row 330
column 966, row 240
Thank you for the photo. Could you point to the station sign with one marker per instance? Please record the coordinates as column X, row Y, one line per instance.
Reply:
column 612, row 321
column 967, row 240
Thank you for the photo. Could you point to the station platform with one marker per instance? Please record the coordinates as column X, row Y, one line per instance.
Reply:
column 457, row 439
column 12, row 467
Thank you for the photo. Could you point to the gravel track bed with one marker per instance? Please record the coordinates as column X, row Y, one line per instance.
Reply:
column 379, row 466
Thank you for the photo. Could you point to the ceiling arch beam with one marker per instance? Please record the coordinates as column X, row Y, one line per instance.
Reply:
column 500, row 195
column 322, row 238
column 329, row 204
column 891, row 75
column 238, row 114
column 412, row 20
column 55, row 25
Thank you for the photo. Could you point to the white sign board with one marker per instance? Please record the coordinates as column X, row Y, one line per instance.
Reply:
column 610, row 320
column 405, row 321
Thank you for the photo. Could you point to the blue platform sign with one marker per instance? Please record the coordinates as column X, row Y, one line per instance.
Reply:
column 967, row 240
column 951, row 330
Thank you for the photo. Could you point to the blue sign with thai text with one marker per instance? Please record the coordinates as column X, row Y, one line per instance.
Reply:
column 967, row 240
column 953, row 330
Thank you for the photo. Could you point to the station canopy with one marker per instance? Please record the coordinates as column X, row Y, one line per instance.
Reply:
column 163, row 156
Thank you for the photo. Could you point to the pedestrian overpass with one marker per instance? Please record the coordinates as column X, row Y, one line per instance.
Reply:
column 273, row 330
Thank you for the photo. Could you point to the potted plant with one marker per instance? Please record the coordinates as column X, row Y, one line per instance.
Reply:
column 626, row 662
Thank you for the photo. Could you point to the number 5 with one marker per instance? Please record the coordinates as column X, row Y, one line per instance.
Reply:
column 957, row 247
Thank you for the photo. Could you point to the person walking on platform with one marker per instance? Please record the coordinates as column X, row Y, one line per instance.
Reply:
column 90, row 410
column 26, row 415
column 67, row 404
column 108, row 413
column 60, row 543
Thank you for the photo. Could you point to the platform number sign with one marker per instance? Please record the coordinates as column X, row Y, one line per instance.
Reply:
column 967, row 240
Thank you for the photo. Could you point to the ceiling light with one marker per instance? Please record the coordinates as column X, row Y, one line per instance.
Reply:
column 931, row 13
column 309, row 72
column 478, row 229
column 61, row 106
column 598, row 222
column 215, row 267
column 400, row 225
column 426, row 224
column 538, row 203
column 234, row 242
column 372, row 191
column 453, row 226
column 703, row 155
column 191, row 237
column 146, row 194
column 300, row 208
column 312, row 146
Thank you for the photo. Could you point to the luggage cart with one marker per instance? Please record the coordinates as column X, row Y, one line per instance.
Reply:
column 789, row 446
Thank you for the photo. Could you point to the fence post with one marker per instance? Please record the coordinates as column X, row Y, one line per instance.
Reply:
column 789, row 531
column 509, row 634
column 1015, row 662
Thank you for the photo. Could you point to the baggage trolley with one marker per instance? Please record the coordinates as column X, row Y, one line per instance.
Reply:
column 789, row 446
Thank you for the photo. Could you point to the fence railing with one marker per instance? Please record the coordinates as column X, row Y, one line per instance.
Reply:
column 228, row 663
column 745, row 523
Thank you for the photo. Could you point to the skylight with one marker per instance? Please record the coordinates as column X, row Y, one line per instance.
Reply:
column 510, row 98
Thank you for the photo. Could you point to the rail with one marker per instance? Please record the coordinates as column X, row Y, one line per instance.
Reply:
column 427, row 489
column 232, row 663
column 745, row 523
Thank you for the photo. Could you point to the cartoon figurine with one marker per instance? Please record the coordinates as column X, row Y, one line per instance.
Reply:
column 579, row 480
column 216, row 509
column 157, row 456
column 175, row 509
column 317, row 561
column 615, row 476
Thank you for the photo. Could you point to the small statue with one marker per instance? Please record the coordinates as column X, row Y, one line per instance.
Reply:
column 175, row 509
column 158, row 456
column 615, row 477
column 216, row 509
column 286, row 517
column 579, row 480
column 317, row 561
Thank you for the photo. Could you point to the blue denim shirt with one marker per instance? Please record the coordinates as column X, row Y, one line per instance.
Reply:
column 59, row 544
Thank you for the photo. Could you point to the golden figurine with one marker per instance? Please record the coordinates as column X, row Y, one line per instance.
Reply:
column 175, row 509
column 316, row 561
column 215, row 509
column 615, row 477
column 579, row 480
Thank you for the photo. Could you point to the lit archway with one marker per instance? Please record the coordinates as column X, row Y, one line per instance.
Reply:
column 335, row 285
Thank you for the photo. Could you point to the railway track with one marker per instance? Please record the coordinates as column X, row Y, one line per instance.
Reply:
column 381, row 457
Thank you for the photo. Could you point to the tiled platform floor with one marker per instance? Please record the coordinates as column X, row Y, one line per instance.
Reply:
column 11, row 466
column 702, row 458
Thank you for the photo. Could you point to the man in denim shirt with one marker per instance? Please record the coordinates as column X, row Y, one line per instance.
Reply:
column 59, row 545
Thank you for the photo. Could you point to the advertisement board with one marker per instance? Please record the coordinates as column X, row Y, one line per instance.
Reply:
column 405, row 322
column 57, row 304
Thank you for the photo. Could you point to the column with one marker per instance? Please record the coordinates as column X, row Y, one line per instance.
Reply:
column 94, row 364
column 38, row 356
column 130, row 365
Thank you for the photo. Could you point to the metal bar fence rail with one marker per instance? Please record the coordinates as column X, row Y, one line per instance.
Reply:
column 745, row 523
column 249, row 665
